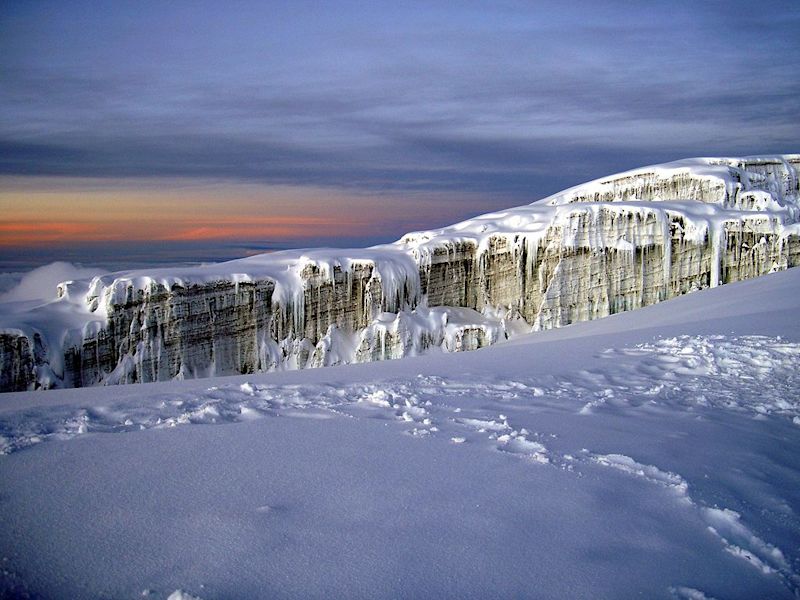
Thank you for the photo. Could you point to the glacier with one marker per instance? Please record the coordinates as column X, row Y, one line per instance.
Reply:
column 611, row 245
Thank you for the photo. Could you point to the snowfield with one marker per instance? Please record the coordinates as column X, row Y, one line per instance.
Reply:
column 651, row 454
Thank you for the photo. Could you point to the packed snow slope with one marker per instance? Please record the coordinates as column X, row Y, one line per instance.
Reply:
column 611, row 245
column 652, row 454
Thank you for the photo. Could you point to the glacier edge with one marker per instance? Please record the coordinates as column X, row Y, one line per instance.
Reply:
column 615, row 244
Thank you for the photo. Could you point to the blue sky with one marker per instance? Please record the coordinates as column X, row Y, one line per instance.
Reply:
column 441, row 109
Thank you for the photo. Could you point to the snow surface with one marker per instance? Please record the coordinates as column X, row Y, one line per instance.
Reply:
column 650, row 454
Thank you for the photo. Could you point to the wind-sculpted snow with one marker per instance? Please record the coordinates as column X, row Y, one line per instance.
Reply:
column 748, row 374
column 753, row 374
column 700, row 377
column 611, row 245
column 724, row 523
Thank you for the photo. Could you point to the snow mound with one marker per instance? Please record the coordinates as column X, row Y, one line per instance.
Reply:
column 42, row 283
column 181, row 595
column 650, row 473
column 687, row 593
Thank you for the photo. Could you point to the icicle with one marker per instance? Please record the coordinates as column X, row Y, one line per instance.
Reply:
column 717, row 235
column 666, row 264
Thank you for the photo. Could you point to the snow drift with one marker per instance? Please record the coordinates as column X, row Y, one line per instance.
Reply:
column 611, row 245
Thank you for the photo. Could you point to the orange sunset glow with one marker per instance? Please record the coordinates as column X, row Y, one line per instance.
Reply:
column 14, row 233
column 57, row 210
column 29, row 232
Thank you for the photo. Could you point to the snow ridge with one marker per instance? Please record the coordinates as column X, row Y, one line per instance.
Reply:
column 737, row 539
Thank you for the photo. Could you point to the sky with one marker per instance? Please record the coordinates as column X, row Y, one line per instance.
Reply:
column 281, row 124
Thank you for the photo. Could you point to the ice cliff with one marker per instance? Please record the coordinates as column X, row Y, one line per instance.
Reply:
column 610, row 245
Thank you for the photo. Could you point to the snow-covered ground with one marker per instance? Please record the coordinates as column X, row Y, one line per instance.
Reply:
column 652, row 454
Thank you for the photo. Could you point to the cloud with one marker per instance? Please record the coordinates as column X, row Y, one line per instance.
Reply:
column 519, row 100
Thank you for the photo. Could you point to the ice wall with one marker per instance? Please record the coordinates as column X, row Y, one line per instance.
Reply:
column 615, row 244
